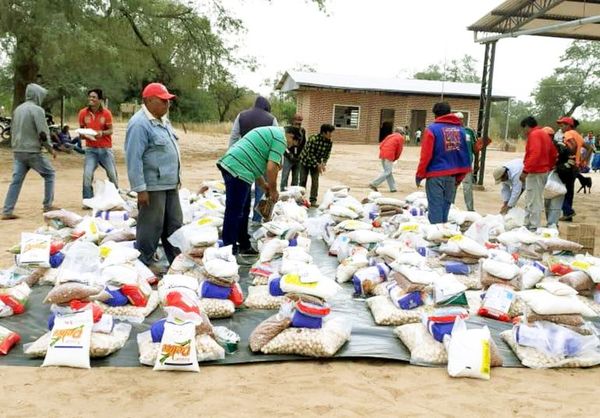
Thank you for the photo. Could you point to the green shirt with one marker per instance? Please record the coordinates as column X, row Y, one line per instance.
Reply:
column 470, row 135
column 316, row 151
column 247, row 158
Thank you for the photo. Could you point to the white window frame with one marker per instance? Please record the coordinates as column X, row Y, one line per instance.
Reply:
column 343, row 127
column 467, row 115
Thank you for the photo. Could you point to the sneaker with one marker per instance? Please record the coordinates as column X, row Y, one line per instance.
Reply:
column 9, row 216
column 566, row 218
column 373, row 188
column 393, row 191
column 49, row 208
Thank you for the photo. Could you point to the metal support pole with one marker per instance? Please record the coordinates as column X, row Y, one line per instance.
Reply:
column 480, row 117
column 488, row 104
column 507, row 119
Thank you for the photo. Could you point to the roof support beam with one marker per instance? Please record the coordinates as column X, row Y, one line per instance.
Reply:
column 516, row 19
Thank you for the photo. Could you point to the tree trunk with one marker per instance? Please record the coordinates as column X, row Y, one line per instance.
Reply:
column 26, row 71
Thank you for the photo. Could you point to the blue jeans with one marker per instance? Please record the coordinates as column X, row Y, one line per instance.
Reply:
column 387, row 174
column 258, row 194
column 237, row 210
column 553, row 209
column 289, row 167
column 23, row 162
column 94, row 157
column 440, row 195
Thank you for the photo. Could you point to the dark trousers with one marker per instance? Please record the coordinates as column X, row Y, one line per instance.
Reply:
column 314, row 181
column 569, row 180
column 237, row 211
column 158, row 221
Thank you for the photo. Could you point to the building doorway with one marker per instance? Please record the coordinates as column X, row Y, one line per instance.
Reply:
column 386, row 123
column 417, row 121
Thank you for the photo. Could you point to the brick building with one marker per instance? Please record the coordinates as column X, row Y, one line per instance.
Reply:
column 365, row 109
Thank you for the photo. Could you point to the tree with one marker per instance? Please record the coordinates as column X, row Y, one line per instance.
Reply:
column 573, row 85
column 225, row 93
column 462, row 70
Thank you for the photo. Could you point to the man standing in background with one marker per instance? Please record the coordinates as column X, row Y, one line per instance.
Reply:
column 153, row 168
column 291, row 160
column 540, row 158
column 257, row 116
column 98, row 150
column 467, row 182
column 29, row 133
column 444, row 161
column 313, row 159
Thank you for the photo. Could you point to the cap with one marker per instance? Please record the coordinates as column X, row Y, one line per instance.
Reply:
column 459, row 115
column 498, row 173
column 565, row 119
column 548, row 130
column 157, row 90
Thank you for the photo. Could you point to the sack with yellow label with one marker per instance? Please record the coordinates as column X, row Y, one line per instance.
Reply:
column 468, row 351
column 70, row 341
column 178, row 348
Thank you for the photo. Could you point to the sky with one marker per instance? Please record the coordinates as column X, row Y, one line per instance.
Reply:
column 382, row 38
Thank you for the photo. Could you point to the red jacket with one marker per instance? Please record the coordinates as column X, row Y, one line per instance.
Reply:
column 391, row 147
column 540, row 152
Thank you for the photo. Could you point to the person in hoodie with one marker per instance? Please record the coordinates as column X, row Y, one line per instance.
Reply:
column 390, row 150
column 255, row 117
column 29, row 134
column 444, row 161
column 540, row 158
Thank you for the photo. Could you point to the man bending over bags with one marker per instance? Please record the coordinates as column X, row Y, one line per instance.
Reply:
column 444, row 161
column 259, row 151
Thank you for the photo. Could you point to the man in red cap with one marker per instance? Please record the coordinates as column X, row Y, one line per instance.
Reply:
column 153, row 168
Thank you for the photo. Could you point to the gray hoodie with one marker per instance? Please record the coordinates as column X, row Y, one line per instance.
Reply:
column 29, row 120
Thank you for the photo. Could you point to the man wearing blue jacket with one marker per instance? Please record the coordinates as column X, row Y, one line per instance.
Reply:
column 153, row 168
column 444, row 161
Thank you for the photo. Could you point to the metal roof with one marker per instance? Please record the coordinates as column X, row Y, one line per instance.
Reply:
column 295, row 80
column 573, row 19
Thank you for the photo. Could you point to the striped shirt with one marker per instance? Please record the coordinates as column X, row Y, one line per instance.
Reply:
column 247, row 158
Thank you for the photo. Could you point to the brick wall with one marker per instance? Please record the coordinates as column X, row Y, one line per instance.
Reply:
column 316, row 107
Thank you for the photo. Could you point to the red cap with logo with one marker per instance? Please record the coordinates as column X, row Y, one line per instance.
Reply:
column 157, row 90
column 565, row 119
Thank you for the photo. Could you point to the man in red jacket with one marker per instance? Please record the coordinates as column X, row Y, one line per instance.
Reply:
column 390, row 150
column 540, row 158
column 444, row 161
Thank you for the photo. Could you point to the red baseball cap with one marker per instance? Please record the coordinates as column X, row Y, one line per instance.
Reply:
column 565, row 119
column 157, row 90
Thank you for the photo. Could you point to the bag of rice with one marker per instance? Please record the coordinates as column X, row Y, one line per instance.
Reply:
column 70, row 341
column 416, row 275
column 365, row 236
column 531, row 275
column 556, row 288
column 35, row 250
column 424, row 349
column 469, row 352
column 499, row 269
column 178, row 348
column 543, row 302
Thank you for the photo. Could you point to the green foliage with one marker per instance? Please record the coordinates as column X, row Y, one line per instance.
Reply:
column 283, row 109
column 518, row 110
column 462, row 70
column 573, row 85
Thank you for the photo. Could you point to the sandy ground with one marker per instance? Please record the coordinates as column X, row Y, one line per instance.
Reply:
column 310, row 388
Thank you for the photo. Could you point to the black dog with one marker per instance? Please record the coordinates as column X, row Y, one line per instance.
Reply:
column 586, row 183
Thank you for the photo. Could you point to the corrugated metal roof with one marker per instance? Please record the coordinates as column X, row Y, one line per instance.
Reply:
column 519, row 15
column 294, row 80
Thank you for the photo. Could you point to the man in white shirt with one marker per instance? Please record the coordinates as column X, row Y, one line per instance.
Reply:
column 508, row 174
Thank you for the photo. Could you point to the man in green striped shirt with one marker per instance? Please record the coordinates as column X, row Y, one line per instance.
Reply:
column 260, row 150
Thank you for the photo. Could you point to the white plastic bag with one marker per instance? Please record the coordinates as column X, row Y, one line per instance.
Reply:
column 70, row 341
column 106, row 196
column 178, row 348
column 81, row 263
column 469, row 351
column 35, row 249
column 554, row 186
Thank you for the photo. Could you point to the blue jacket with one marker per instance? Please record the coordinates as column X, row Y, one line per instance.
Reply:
column 444, row 150
column 152, row 153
